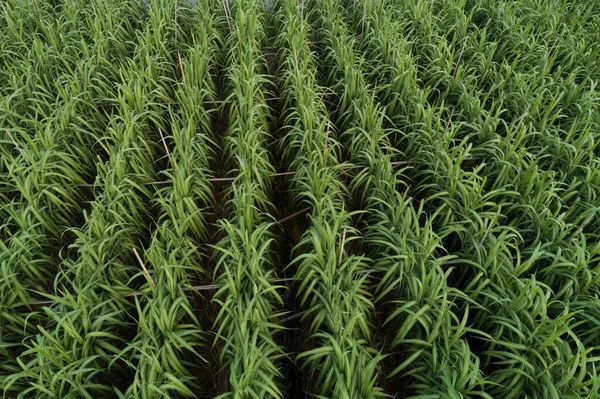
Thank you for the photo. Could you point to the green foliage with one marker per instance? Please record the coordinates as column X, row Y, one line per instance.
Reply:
column 443, row 153
column 246, row 325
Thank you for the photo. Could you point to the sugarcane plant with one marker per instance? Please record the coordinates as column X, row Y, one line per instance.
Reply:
column 333, row 292
column 170, row 340
column 245, row 327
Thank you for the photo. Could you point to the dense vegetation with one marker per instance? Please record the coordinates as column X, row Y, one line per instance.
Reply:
column 332, row 199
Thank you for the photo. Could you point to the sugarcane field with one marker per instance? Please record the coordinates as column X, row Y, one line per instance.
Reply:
column 268, row 199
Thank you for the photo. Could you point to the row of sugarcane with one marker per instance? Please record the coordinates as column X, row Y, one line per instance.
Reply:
column 245, row 328
column 485, row 246
column 406, row 253
column 169, row 349
column 409, row 255
column 333, row 292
